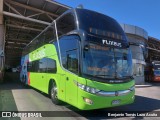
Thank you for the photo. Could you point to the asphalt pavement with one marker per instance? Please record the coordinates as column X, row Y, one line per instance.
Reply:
column 16, row 97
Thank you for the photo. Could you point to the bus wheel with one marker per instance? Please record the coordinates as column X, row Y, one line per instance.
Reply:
column 53, row 94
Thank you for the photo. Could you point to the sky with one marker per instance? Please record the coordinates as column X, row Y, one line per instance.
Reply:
column 141, row 13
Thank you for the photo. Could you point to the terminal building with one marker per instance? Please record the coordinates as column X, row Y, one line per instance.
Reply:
column 153, row 49
column 138, row 39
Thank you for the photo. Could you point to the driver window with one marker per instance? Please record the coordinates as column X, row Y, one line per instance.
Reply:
column 72, row 61
column 69, row 48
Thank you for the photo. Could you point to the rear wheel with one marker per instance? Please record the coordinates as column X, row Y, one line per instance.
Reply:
column 54, row 94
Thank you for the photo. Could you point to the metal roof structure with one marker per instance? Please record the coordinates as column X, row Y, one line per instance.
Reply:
column 24, row 20
column 153, row 49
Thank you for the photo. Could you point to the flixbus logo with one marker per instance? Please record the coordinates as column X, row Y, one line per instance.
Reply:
column 113, row 43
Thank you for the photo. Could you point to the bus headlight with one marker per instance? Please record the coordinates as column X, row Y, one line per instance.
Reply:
column 87, row 88
column 88, row 101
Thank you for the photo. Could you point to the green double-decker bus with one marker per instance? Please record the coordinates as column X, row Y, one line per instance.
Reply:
column 82, row 58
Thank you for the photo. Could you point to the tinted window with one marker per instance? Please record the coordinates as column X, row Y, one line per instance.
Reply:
column 97, row 23
column 50, row 35
column 72, row 61
column 47, row 36
column 42, row 65
column 44, row 38
column 29, row 67
column 69, row 47
column 33, row 66
column 45, row 65
column 65, row 24
column 51, row 66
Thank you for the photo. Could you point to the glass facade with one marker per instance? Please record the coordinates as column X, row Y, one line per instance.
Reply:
column 138, row 69
column 137, row 55
column 137, row 52
column 138, row 38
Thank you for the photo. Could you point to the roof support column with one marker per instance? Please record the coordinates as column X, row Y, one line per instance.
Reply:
column 1, row 42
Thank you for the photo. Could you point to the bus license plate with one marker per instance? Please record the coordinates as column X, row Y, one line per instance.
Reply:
column 115, row 102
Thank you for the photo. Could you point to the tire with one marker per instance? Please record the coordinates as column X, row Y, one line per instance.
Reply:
column 53, row 94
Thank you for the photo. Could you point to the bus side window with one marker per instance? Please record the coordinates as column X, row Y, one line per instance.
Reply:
column 69, row 48
column 72, row 61
column 42, row 65
column 51, row 66
column 29, row 66
column 45, row 37
column 32, row 66
column 65, row 24
column 50, row 35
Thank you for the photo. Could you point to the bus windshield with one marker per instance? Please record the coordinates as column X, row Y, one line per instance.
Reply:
column 96, row 23
column 156, row 65
column 107, row 62
column 157, row 72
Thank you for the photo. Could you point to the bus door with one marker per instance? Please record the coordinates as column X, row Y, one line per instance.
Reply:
column 71, row 76
column 69, row 47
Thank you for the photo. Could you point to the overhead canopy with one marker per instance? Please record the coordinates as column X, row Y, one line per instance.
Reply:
column 25, row 19
column 153, row 49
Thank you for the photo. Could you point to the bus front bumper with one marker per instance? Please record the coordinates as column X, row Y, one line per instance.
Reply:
column 88, row 101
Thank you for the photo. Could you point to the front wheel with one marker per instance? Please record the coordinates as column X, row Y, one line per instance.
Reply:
column 53, row 94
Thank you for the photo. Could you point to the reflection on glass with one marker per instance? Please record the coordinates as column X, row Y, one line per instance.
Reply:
column 157, row 72
column 72, row 61
column 137, row 52
column 107, row 62
column 138, row 69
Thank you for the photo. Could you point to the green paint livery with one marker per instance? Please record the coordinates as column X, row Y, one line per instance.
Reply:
column 87, row 64
column 69, row 92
